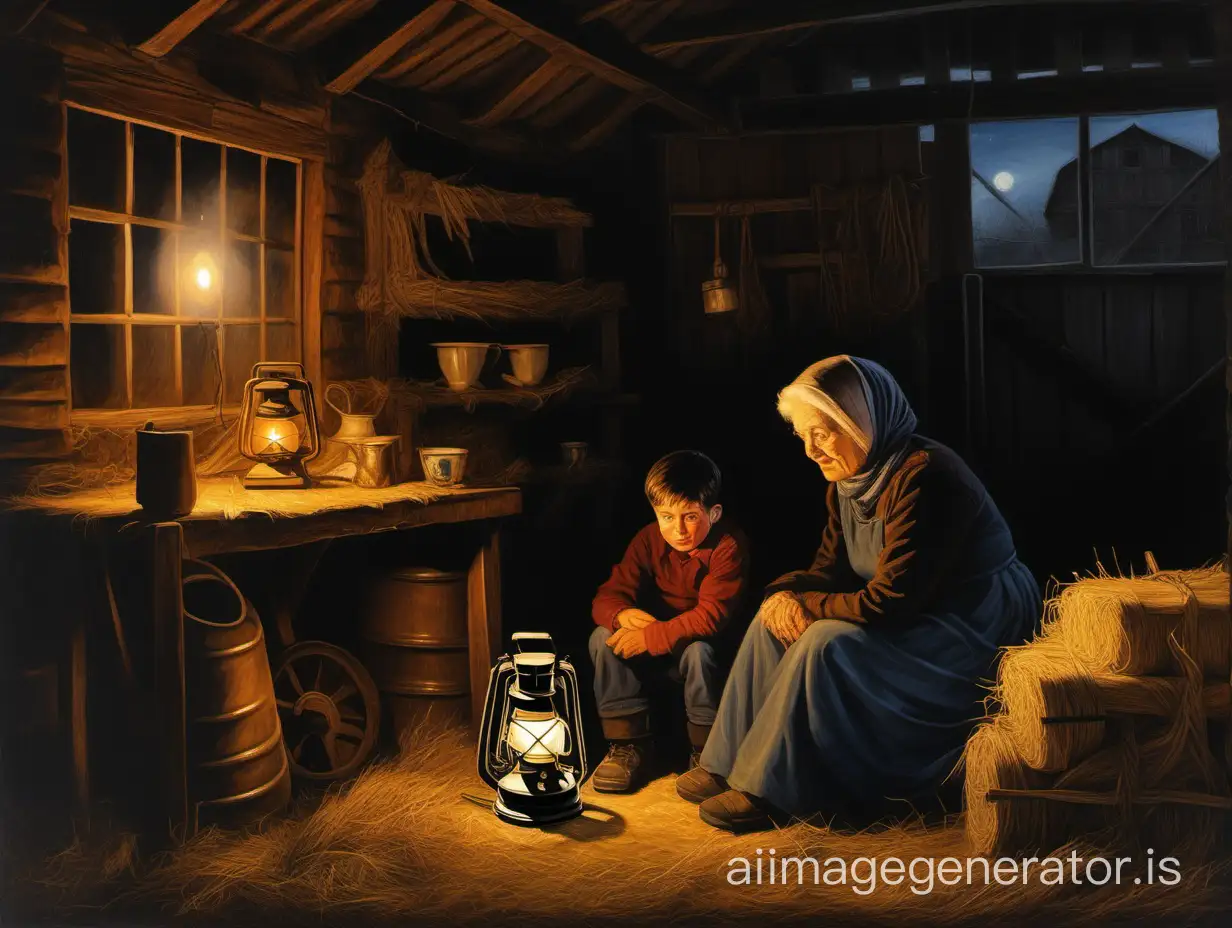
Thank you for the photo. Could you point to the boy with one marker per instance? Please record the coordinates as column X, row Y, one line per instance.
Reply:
column 676, row 588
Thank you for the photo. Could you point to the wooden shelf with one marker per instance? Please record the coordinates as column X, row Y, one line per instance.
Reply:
column 583, row 389
column 508, row 300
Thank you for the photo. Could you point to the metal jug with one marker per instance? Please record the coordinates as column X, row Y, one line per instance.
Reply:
column 353, row 425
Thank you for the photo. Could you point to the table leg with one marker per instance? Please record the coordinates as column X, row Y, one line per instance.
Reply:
column 168, row 608
column 78, row 719
column 483, row 618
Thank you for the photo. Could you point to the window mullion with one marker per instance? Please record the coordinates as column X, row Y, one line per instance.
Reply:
column 264, row 342
column 177, row 272
column 128, row 266
column 1086, row 211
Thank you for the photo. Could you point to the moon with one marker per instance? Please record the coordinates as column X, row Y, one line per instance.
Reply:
column 1004, row 181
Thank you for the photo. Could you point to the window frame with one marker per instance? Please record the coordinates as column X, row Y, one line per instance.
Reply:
column 185, row 415
column 1086, row 209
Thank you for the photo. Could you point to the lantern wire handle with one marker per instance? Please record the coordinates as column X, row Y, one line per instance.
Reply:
column 718, row 257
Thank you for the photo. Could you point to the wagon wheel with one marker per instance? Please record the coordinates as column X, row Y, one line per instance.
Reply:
column 329, row 708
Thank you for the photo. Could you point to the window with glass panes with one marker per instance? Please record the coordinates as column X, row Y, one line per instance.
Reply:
column 184, row 267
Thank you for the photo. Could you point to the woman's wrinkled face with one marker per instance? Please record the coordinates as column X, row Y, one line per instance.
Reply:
column 832, row 449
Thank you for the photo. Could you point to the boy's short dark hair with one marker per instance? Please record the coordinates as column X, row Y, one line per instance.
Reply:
column 686, row 475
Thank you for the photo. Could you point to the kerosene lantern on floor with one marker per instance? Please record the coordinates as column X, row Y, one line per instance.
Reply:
column 278, row 426
column 530, row 749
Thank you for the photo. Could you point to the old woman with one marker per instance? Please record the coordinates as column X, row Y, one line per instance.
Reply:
column 861, row 677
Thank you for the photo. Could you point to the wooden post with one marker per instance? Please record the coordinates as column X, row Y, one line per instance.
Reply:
column 313, row 257
column 1223, row 38
column 78, row 719
column 168, row 613
column 483, row 618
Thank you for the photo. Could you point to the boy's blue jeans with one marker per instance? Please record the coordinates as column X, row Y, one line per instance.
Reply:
column 621, row 685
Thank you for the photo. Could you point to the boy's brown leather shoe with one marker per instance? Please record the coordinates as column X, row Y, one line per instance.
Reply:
column 624, row 769
column 698, row 785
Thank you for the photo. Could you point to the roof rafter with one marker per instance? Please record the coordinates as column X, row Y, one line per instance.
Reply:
column 604, row 52
column 369, row 43
column 800, row 15
column 180, row 28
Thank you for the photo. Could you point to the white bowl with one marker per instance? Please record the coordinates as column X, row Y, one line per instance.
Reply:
column 443, row 467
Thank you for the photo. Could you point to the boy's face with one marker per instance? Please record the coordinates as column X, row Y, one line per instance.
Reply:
column 685, row 524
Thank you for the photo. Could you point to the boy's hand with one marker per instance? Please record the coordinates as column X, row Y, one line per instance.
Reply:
column 627, row 642
column 633, row 619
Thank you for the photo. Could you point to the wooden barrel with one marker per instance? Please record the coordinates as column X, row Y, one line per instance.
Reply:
column 414, row 644
column 237, row 765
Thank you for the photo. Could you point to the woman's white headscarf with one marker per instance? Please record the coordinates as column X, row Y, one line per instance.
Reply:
column 866, row 402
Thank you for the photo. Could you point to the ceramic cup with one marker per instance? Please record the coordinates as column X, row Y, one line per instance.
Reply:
column 529, row 363
column 462, row 362
column 444, row 467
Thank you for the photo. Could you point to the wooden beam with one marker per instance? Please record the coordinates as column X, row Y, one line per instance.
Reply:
column 511, row 99
column 180, row 28
column 438, row 116
column 20, row 13
column 602, row 50
column 609, row 123
column 368, row 43
column 776, row 18
column 1135, row 91
column 743, row 207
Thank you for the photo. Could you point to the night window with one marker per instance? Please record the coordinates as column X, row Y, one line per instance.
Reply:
column 1024, row 193
column 1147, row 226
column 1028, row 208
column 184, row 269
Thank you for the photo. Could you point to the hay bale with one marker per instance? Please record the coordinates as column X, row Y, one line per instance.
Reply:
column 1053, row 711
column 1007, row 827
column 1123, row 624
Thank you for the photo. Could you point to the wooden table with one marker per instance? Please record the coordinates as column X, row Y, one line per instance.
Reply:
column 229, row 519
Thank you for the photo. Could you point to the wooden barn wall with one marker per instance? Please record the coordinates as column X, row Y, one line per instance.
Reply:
column 1076, row 365
column 799, row 328
column 57, row 62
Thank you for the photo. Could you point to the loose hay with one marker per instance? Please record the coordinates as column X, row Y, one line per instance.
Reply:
column 1124, row 624
column 399, row 844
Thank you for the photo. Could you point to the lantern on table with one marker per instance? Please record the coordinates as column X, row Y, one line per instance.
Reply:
column 530, row 750
column 278, row 426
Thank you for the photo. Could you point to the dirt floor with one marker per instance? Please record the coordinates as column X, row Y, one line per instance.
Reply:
column 401, row 845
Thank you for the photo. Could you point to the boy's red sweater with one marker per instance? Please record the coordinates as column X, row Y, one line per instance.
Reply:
column 692, row 595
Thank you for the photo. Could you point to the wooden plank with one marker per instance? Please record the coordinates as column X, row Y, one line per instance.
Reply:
column 1127, row 332
column 207, row 537
column 39, row 385
column 609, row 123
column 483, row 619
column 606, row 53
column 1170, row 343
column 1145, row 89
column 742, row 207
column 313, row 270
column 33, row 345
column 167, row 605
column 25, row 412
column 472, row 64
column 428, row 49
column 19, row 14
column 368, row 43
column 510, row 99
column 798, row 15
column 78, row 715
column 461, row 51
column 33, row 303
column 180, row 28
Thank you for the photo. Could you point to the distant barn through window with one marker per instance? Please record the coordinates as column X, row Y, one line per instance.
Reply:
column 1153, row 184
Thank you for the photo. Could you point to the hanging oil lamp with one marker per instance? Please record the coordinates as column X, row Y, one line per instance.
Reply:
column 278, row 426
column 718, row 296
column 530, row 750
